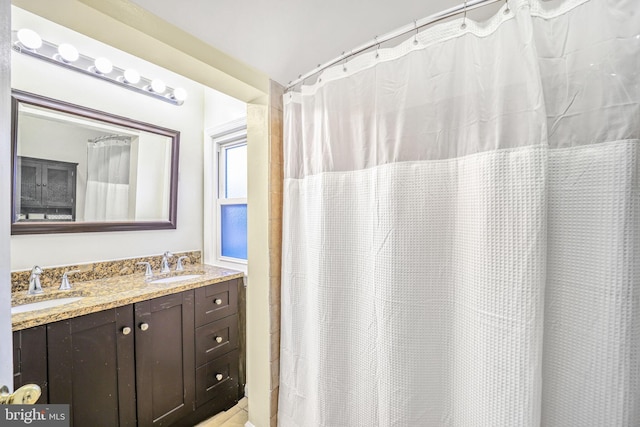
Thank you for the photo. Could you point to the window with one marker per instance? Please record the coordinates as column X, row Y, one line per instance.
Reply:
column 232, row 200
column 225, row 190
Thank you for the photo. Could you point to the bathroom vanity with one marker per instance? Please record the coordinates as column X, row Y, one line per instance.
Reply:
column 132, row 352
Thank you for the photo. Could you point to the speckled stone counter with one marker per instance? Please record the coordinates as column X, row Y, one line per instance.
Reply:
column 109, row 292
column 50, row 277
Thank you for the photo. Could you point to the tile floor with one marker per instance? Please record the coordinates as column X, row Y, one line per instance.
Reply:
column 234, row 417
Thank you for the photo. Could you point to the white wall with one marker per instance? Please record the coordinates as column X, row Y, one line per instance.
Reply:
column 220, row 109
column 6, row 350
column 36, row 76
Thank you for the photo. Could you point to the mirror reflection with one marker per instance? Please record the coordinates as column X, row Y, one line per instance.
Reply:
column 71, row 168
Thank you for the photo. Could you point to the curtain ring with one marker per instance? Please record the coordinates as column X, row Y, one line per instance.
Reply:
column 344, row 64
column 415, row 37
column 464, row 18
column 377, row 47
column 507, row 10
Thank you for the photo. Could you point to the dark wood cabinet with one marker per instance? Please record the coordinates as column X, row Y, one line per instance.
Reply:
column 30, row 359
column 217, row 367
column 165, row 374
column 217, row 351
column 91, row 367
column 168, row 361
column 46, row 187
column 128, row 366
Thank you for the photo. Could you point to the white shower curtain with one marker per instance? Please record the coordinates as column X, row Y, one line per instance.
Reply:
column 108, row 167
column 462, row 227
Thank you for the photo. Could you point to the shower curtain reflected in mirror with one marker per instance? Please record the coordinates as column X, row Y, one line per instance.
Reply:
column 108, row 174
column 462, row 226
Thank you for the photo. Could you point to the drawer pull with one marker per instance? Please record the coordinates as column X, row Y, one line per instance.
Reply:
column 219, row 377
column 144, row 326
column 126, row 330
column 218, row 301
column 218, row 339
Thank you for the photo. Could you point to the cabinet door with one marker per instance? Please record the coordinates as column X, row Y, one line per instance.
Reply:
column 91, row 367
column 30, row 359
column 165, row 371
column 30, row 182
column 58, row 185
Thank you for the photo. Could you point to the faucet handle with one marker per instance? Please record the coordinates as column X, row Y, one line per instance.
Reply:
column 164, row 265
column 34, row 281
column 179, row 266
column 65, row 285
column 148, row 272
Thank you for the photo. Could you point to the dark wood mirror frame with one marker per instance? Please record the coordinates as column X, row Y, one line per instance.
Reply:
column 18, row 97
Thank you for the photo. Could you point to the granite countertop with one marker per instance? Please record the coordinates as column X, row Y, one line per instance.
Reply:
column 102, row 294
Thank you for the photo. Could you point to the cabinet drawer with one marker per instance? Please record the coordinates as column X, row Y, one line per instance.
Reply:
column 218, row 379
column 216, row 301
column 215, row 339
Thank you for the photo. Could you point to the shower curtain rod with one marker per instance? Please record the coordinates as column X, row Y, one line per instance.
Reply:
column 416, row 25
column 123, row 138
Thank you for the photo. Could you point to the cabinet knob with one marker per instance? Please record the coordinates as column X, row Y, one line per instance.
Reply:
column 126, row 330
column 218, row 339
column 219, row 377
column 218, row 301
column 144, row 326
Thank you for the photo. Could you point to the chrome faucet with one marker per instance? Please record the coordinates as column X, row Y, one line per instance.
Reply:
column 148, row 273
column 65, row 285
column 164, row 266
column 179, row 266
column 34, row 281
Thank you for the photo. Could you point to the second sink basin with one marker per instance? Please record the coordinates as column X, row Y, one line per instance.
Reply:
column 40, row 305
column 175, row 278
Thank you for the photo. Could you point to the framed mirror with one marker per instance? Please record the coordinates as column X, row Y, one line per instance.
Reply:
column 81, row 170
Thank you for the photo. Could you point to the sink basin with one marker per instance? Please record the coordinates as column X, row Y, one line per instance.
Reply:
column 175, row 278
column 40, row 305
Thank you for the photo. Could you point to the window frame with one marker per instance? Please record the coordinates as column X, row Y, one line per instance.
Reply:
column 227, row 134
column 222, row 149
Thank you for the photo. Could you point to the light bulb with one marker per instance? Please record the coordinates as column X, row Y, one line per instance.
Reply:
column 179, row 94
column 131, row 76
column 103, row 66
column 158, row 86
column 29, row 39
column 68, row 53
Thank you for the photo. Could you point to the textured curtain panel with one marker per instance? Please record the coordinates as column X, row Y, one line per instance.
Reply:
column 461, row 239
column 108, row 169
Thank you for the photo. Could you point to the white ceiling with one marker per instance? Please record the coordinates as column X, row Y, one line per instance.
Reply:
column 286, row 38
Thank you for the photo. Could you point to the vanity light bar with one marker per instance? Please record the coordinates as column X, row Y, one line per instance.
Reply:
column 65, row 55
